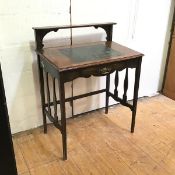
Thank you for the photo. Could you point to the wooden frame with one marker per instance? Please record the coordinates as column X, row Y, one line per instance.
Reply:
column 47, row 68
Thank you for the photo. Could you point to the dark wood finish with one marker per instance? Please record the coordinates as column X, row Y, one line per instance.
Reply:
column 136, row 89
column 7, row 157
column 63, row 117
column 48, row 93
column 56, row 123
column 42, row 94
column 125, row 86
column 78, row 97
column 107, row 92
column 72, row 102
column 121, row 101
column 54, row 100
column 116, row 83
column 61, row 64
column 40, row 32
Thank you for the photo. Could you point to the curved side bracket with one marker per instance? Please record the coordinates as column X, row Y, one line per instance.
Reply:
column 108, row 29
column 39, row 35
column 40, row 32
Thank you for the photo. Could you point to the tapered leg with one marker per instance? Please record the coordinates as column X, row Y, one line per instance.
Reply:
column 41, row 82
column 107, row 93
column 63, row 118
column 136, row 88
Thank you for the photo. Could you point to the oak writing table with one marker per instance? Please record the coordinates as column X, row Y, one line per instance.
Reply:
column 64, row 64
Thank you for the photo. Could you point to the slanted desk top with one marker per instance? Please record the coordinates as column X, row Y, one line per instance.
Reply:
column 84, row 55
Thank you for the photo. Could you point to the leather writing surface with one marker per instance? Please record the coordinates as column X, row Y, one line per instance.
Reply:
column 88, row 53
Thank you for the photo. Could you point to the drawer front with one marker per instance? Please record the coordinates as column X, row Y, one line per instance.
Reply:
column 98, row 70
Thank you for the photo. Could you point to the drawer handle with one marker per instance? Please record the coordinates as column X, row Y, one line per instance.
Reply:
column 105, row 70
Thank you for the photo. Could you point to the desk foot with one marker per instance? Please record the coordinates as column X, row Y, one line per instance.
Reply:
column 133, row 121
column 64, row 157
column 45, row 130
column 64, row 144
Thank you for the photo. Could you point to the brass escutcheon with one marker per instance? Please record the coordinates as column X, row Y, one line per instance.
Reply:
column 105, row 70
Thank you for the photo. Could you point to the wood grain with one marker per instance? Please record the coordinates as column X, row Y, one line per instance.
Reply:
column 101, row 144
column 63, row 63
column 21, row 165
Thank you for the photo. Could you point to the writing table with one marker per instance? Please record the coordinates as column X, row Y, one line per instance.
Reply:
column 64, row 64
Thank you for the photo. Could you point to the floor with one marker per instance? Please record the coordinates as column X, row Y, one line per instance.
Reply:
column 100, row 144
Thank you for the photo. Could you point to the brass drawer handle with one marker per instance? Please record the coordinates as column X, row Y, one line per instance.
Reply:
column 105, row 70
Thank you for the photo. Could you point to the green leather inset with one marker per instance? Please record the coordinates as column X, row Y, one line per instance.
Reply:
column 89, row 53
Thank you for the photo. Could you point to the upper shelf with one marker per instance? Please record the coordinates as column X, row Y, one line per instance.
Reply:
column 40, row 32
column 74, row 26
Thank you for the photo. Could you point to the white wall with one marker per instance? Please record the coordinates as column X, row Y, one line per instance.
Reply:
column 141, row 25
column 150, row 35
column 18, row 62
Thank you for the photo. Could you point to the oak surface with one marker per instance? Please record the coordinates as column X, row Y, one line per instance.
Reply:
column 101, row 144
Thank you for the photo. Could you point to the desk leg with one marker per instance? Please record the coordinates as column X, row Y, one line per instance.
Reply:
column 136, row 88
column 63, row 119
column 107, row 92
column 41, row 81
